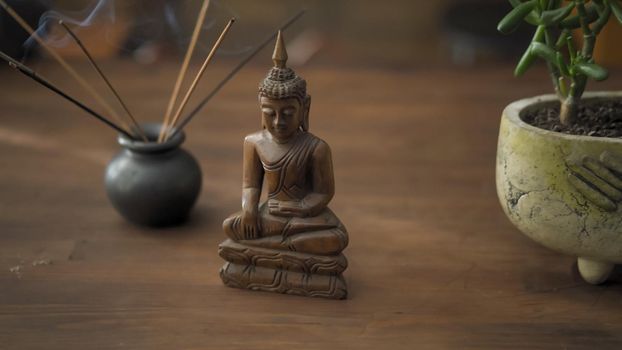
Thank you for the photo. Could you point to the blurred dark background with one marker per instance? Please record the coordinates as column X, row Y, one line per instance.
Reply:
column 399, row 33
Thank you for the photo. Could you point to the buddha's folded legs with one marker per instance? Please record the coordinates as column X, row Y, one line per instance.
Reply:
column 325, row 221
column 232, row 227
column 325, row 242
column 322, row 234
column 269, row 226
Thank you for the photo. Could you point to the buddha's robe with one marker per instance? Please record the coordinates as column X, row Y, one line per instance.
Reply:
column 290, row 179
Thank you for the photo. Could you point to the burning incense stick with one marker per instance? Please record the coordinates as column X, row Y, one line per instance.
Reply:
column 235, row 70
column 184, row 102
column 31, row 74
column 60, row 60
column 184, row 68
column 103, row 76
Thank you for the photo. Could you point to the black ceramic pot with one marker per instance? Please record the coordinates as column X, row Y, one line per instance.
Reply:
column 153, row 184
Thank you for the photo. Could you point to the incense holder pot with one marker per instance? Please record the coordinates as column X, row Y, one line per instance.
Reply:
column 563, row 191
column 153, row 184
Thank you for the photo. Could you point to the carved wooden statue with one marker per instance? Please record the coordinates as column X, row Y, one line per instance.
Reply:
column 291, row 243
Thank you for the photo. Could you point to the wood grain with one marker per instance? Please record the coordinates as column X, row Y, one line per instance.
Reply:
column 433, row 263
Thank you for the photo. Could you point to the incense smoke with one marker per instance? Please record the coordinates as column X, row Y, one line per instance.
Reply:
column 101, row 10
column 146, row 22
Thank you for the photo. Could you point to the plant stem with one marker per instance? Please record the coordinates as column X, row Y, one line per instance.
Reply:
column 553, row 70
column 570, row 105
column 569, row 109
column 589, row 39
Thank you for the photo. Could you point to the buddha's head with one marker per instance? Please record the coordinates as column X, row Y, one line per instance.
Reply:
column 283, row 98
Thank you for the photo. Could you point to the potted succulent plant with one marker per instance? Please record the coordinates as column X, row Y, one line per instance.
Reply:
column 559, row 156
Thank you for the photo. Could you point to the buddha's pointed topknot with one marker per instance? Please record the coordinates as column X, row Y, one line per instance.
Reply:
column 279, row 57
column 281, row 81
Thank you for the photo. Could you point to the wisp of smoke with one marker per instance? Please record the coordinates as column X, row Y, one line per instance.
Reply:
column 101, row 10
column 150, row 21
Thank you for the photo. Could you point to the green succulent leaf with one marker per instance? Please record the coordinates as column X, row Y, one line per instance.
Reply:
column 529, row 57
column 512, row 20
column 616, row 8
column 545, row 52
column 525, row 62
column 574, row 22
column 531, row 18
column 603, row 17
column 544, row 4
column 554, row 17
column 592, row 70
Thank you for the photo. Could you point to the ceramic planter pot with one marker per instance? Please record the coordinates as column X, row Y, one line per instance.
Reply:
column 153, row 184
column 563, row 191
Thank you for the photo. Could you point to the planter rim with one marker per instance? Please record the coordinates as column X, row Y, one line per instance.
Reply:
column 513, row 110
column 152, row 131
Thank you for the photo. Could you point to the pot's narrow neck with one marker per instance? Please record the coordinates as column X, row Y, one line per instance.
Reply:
column 152, row 131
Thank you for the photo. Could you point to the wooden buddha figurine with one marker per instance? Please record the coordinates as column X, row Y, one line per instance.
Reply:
column 292, row 242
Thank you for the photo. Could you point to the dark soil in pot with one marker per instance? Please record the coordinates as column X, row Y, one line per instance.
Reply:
column 601, row 118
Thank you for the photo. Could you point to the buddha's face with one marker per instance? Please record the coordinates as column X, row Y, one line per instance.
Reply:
column 282, row 117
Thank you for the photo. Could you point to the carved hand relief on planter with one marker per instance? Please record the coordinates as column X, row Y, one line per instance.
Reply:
column 598, row 180
column 292, row 243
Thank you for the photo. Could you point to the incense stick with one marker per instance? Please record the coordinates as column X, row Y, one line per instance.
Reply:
column 103, row 76
column 39, row 79
column 184, row 102
column 184, row 68
column 235, row 70
column 60, row 60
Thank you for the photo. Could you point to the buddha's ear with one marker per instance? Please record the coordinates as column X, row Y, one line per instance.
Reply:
column 263, row 125
column 306, row 107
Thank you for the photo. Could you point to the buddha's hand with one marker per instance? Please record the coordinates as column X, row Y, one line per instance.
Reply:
column 288, row 208
column 250, row 225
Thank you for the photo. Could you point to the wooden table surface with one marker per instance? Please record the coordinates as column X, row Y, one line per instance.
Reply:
column 434, row 263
